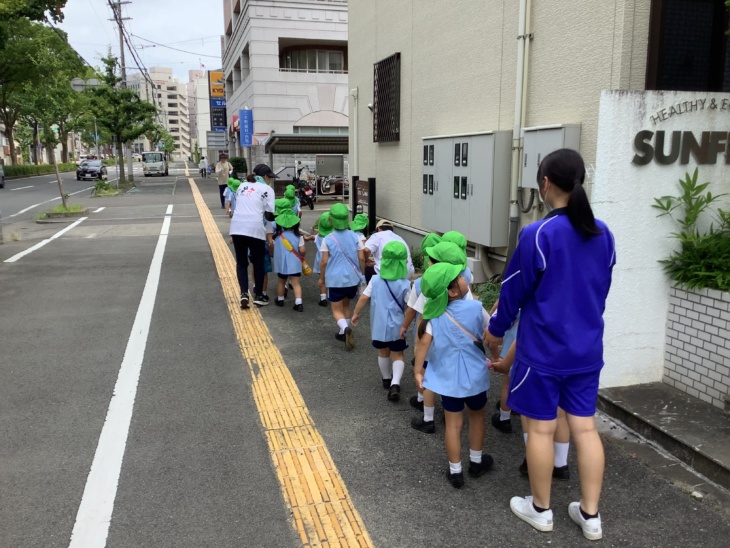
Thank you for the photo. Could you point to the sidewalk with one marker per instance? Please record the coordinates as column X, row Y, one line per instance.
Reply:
column 693, row 431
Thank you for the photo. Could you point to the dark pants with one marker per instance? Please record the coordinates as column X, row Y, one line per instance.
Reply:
column 203, row 172
column 221, row 190
column 243, row 245
column 369, row 273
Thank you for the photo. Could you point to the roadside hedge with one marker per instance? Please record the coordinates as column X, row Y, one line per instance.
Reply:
column 31, row 169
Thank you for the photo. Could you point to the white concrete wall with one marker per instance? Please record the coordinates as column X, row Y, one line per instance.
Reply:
column 636, row 312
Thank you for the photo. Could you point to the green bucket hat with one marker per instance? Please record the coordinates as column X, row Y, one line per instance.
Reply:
column 287, row 219
column 324, row 224
column 291, row 187
column 281, row 205
column 233, row 184
column 456, row 238
column 360, row 222
column 393, row 261
column 338, row 217
column 435, row 286
column 429, row 240
column 447, row 252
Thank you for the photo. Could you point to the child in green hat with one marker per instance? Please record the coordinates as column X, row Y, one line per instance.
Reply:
column 323, row 228
column 342, row 264
column 291, row 194
column 286, row 263
column 229, row 195
column 459, row 239
column 388, row 290
column 359, row 225
column 450, row 334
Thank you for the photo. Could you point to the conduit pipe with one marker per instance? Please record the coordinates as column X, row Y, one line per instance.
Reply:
column 355, row 150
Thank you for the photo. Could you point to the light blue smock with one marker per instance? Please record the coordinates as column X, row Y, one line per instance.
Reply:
column 343, row 267
column 417, row 289
column 318, row 257
column 386, row 317
column 285, row 262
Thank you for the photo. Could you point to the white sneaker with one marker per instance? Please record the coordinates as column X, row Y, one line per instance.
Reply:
column 591, row 527
column 524, row 509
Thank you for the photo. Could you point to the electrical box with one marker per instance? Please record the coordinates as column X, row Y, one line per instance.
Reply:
column 538, row 142
column 465, row 185
column 330, row 164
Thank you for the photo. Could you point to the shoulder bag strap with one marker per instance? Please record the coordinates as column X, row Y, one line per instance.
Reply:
column 354, row 267
column 394, row 297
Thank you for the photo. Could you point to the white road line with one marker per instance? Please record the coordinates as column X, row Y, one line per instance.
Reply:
column 46, row 202
column 169, row 210
column 22, row 187
column 91, row 528
column 40, row 244
column 99, row 209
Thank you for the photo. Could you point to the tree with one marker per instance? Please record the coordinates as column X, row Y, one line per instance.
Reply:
column 168, row 145
column 30, row 10
column 119, row 110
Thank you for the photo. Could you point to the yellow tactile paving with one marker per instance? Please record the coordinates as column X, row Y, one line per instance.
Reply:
column 322, row 512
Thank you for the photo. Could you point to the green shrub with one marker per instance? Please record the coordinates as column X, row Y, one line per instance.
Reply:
column 703, row 258
column 30, row 170
column 488, row 293
column 417, row 258
column 240, row 169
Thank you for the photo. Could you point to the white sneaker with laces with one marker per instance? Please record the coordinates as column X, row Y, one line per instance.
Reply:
column 524, row 509
column 591, row 527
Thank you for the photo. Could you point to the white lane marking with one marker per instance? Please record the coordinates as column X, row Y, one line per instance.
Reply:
column 40, row 244
column 91, row 528
column 97, row 210
column 22, row 187
column 166, row 226
column 46, row 202
column 169, row 210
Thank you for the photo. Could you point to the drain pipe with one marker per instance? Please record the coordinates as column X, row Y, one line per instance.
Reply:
column 355, row 148
column 520, row 100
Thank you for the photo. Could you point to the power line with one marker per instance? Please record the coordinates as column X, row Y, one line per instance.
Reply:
column 177, row 49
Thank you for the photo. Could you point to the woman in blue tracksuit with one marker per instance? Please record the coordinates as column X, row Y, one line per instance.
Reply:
column 559, row 276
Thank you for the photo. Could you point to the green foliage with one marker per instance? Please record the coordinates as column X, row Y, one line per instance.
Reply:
column 31, row 170
column 239, row 166
column 70, row 208
column 196, row 153
column 703, row 258
column 488, row 293
column 417, row 258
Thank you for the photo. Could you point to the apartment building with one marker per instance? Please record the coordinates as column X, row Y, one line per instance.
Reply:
column 287, row 61
column 171, row 98
column 458, row 100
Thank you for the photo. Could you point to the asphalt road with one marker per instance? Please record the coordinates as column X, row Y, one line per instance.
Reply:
column 196, row 468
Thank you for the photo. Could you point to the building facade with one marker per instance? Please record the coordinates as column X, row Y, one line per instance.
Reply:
column 518, row 79
column 287, row 61
column 170, row 96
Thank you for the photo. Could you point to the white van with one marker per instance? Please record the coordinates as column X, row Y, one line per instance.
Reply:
column 153, row 163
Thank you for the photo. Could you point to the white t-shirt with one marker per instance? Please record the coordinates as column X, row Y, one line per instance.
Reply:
column 252, row 200
column 369, row 289
column 377, row 242
column 485, row 317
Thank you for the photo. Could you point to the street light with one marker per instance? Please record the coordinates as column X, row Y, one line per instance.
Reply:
column 78, row 84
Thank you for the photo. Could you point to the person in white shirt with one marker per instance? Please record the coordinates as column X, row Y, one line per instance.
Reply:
column 203, row 167
column 374, row 248
column 254, row 203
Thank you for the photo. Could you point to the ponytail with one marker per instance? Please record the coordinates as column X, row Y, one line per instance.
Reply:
column 565, row 169
column 422, row 328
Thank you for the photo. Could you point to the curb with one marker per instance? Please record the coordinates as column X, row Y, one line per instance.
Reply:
column 692, row 456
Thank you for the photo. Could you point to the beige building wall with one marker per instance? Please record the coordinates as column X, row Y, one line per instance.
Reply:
column 458, row 74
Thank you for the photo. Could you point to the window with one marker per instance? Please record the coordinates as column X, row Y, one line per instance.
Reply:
column 688, row 46
column 313, row 60
column 321, row 130
column 386, row 100
column 172, row 104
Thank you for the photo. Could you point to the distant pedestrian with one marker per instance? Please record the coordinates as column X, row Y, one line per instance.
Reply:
column 558, row 279
column 387, row 292
column 341, row 269
column 254, row 203
column 203, row 167
column 457, row 367
column 223, row 171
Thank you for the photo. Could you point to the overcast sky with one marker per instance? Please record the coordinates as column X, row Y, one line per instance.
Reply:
column 194, row 26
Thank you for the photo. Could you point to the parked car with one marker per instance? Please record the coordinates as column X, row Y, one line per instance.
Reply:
column 91, row 169
column 137, row 156
column 2, row 177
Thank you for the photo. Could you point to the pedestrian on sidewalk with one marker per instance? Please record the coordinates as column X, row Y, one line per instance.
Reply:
column 287, row 264
column 388, row 291
column 375, row 245
column 254, row 202
column 457, row 367
column 558, row 279
column 341, row 269
column 223, row 171
column 456, row 237
column 359, row 225
column 229, row 195
column 324, row 229
column 203, row 167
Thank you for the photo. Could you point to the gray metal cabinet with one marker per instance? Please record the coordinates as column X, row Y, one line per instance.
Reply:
column 538, row 142
column 471, row 186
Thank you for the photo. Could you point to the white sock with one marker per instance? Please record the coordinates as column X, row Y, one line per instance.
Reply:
column 455, row 467
column 428, row 413
column 297, row 301
column 475, row 456
column 524, row 436
column 419, row 397
column 504, row 415
column 279, row 298
column 398, row 368
column 323, row 296
column 561, row 454
column 342, row 324
column 384, row 365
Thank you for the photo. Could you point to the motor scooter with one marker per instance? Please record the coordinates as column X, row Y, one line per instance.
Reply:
column 304, row 191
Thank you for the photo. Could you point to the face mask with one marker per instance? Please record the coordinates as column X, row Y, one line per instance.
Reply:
column 543, row 200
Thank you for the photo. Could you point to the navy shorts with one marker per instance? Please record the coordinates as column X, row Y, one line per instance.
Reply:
column 267, row 262
column 395, row 346
column 537, row 394
column 285, row 276
column 336, row 294
column 456, row 405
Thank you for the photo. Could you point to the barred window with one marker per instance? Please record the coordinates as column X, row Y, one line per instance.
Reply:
column 386, row 100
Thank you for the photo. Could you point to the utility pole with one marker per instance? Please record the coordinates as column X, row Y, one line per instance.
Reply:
column 117, row 6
